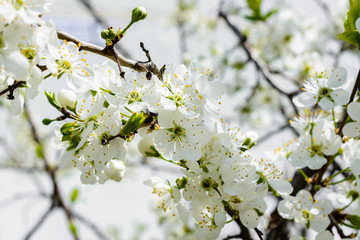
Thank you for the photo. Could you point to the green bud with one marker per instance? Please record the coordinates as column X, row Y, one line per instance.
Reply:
column 138, row 13
column 104, row 34
column 47, row 121
column 111, row 33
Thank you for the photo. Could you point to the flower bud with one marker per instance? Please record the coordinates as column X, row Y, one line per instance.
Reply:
column 67, row 98
column 138, row 13
column 115, row 170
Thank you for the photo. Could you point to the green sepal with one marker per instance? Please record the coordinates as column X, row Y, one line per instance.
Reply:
column 51, row 97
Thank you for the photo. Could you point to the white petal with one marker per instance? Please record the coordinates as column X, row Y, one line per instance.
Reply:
column 305, row 198
column 323, row 206
column 281, row 186
column 249, row 218
column 333, row 145
column 325, row 235
column 354, row 111
column 286, row 209
column 340, row 96
column 305, row 100
column 352, row 129
column 316, row 162
column 15, row 63
column 17, row 103
column 319, row 223
column 355, row 166
column 299, row 159
column 338, row 77
column 326, row 104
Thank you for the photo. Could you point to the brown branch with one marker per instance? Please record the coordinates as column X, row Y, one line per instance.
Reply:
column 39, row 223
column 11, row 89
column 91, row 225
column 57, row 199
column 106, row 52
column 260, row 66
column 244, row 234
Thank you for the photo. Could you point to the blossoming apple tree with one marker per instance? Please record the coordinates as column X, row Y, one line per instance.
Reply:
column 175, row 113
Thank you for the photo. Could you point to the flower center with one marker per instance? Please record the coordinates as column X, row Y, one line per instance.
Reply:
column 64, row 65
column 134, row 97
column 177, row 99
column 324, row 92
column 29, row 52
column 177, row 132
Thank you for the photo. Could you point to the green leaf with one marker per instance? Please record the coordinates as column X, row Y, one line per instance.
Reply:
column 353, row 14
column 351, row 34
column 355, row 221
column 352, row 37
column 74, row 195
column 51, row 97
column 134, row 122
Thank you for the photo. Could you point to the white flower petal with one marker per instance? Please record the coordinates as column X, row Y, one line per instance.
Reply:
column 325, row 235
column 340, row 96
column 281, row 186
column 352, row 129
column 319, row 223
column 286, row 209
column 316, row 162
column 354, row 111
column 305, row 100
column 249, row 218
column 326, row 104
column 338, row 77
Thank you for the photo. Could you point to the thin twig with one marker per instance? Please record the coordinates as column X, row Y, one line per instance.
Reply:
column 39, row 223
column 260, row 66
column 106, row 52
column 91, row 225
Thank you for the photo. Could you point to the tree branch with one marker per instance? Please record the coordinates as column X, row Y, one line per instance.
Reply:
column 106, row 52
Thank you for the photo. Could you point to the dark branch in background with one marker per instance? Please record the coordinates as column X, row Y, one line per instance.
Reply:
column 100, row 20
column 106, row 52
column 11, row 89
column 39, row 222
column 91, row 225
column 57, row 199
column 260, row 66
column 244, row 234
